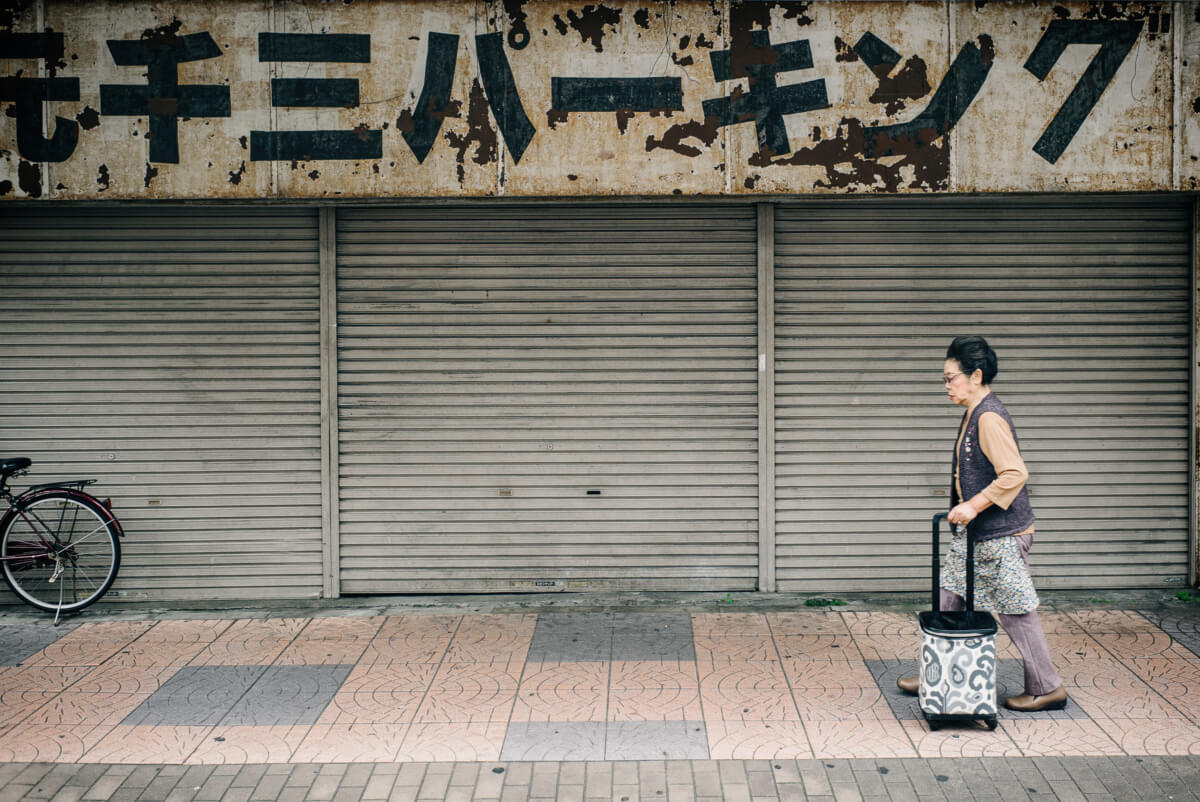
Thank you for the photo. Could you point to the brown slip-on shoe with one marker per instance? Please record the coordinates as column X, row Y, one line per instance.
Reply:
column 1028, row 703
column 909, row 685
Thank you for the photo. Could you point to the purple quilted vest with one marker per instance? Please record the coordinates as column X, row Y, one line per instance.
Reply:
column 975, row 472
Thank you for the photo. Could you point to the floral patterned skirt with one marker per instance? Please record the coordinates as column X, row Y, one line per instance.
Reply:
column 1002, row 582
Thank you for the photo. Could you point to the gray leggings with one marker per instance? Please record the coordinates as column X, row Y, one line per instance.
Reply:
column 1026, row 633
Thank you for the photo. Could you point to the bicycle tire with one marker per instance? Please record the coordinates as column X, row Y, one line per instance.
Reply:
column 86, row 536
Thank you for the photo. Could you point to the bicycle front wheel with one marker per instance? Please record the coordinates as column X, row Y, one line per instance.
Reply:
column 59, row 551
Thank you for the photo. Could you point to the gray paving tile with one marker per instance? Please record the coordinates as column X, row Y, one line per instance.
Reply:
column 571, row 740
column 288, row 695
column 572, row 637
column 18, row 642
column 196, row 696
column 654, row 740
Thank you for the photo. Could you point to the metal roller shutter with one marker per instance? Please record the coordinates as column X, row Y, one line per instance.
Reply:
column 173, row 354
column 547, row 397
column 1086, row 301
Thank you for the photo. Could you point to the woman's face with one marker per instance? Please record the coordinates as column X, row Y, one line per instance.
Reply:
column 956, row 382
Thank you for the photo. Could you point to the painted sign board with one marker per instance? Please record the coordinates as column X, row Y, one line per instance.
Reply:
column 251, row 99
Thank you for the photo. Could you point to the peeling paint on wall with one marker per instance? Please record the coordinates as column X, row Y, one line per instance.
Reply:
column 379, row 98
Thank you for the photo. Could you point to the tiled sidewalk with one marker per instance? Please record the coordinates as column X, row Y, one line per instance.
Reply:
column 664, row 686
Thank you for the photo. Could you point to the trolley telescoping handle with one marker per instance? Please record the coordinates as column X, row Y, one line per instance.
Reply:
column 937, row 572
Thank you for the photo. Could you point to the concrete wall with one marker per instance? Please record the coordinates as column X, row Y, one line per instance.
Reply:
column 457, row 98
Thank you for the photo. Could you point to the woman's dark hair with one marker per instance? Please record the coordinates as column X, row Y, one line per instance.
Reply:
column 973, row 353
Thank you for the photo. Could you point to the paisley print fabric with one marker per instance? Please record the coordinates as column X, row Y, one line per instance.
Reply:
column 1002, row 582
column 958, row 675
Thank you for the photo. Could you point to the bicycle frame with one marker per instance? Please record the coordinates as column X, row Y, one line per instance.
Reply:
column 17, row 503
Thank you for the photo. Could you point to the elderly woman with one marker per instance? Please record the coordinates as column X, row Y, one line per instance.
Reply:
column 988, row 487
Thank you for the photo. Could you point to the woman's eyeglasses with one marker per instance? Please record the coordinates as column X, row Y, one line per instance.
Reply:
column 946, row 379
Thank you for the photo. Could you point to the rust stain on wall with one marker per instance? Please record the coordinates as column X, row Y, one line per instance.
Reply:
column 29, row 178
column 480, row 133
column 590, row 22
column 672, row 138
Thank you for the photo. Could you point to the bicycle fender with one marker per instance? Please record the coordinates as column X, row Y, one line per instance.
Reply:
column 34, row 493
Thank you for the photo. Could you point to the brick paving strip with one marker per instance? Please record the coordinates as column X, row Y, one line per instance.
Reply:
column 1095, row 779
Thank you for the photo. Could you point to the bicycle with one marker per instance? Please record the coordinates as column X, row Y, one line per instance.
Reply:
column 59, row 547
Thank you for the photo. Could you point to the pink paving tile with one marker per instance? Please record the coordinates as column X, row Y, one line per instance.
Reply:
column 453, row 742
column 827, row 674
column 902, row 646
column 636, row 675
column 841, row 704
column 1178, row 681
column 1075, row 649
column 117, row 677
column 758, row 740
column 1060, row 624
column 437, row 624
column 242, row 745
column 1135, row 703
column 845, row 739
column 344, row 628
column 17, row 706
column 146, row 744
column 960, row 741
column 250, row 642
column 151, row 653
column 39, row 679
column 1161, row 737
column 49, row 744
column 303, row 652
column 824, row 648
column 569, row 675
column 379, row 707
column 492, row 639
column 1141, row 645
column 710, row 625
column 806, row 624
column 1059, row 737
column 416, row 647
column 394, row 677
column 203, row 631
column 724, row 649
column 747, row 692
column 86, row 709
column 655, row 704
column 1112, row 621
column 549, row 703
column 1099, row 675
column 881, row 623
column 351, row 743
column 470, row 692
column 89, row 644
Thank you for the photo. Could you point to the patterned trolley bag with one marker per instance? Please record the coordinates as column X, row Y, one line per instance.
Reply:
column 958, row 653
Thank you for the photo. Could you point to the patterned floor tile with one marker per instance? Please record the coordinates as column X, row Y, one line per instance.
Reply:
column 242, row 745
column 844, row 739
column 640, row 675
column 821, row 647
column 655, row 704
column 17, row 706
column 841, row 704
column 413, row 647
column 758, row 740
column 351, row 743
column 711, row 625
column 965, row 740
column 1059, row 624
column 40, row 679
column 725, row 649
column 89, row 644
column 1136, row 703
column 379, row 707
column 797, row 623
column 728, row 702
column 114, row 676
column 556, row 740
column 1099, row 675
column 887, row 646
column 286, row 696
column 19, row 642
column 652, row 636
column 322, row 651
column 1142, row 645
column 388, row 678
column 62, row 743
column 197, row 696
column 470, row 692
column 1059, row 737
column 453, row 742
column 1113, row 621
column 1184, row 629
column 744, row 675
column 572, row 637
column 145, row 744
column 86, row 709
column 344, row 628
column 882, row 623
column 251, row 642
column 656, row 740
column 1066, row 649
column 827, row 674
column 184, row 631
column 1158, row 737
column 562, row 691
column 492, row 639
